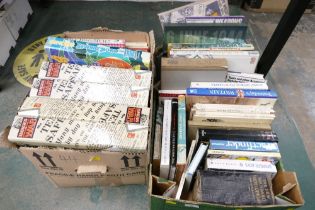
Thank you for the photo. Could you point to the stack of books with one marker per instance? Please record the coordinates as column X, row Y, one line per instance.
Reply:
column 92, row 94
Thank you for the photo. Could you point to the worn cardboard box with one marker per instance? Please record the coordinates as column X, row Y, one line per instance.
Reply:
column 78, row 168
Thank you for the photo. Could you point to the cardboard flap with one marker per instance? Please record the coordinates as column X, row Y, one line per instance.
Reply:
column 4, row 142
column 88, row 169
column 160, row 185
column 286, row 184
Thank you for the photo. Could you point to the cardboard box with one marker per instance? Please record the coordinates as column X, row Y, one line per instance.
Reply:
column 78, row 168
column 178, row 73
column 285, row 183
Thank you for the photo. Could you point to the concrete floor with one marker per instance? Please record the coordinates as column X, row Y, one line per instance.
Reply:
column 22, row 187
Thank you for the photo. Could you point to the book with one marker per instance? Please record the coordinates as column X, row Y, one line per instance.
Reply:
column 272, row 157
column 199, row 33
column 230, row 96
column 193, row 166
column 170, row 94
column 238, row 61
column 44, row 107
column 219, row 144
column 241, row 165
column 233, row 188
column 181, row 139
column 183, row 177
column 85, row 91
column 82, row 73
column 76, row 134
column 83, row 53
column 219, row 45
column 199, row 8
column 158, row 139
column 230, row 85
column 166, row 140
column 216, row 19
column 253, row 135
column 107, row 42
column 173, row 149
column 245, row 77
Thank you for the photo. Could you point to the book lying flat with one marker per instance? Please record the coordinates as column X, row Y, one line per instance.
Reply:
column 76, row 134
column 241, row 165
column 112, row 76
column 230, row 85
column 233, row 188
column 85, row 91
column 244, row 77
column 44, row 107
column 244, row 145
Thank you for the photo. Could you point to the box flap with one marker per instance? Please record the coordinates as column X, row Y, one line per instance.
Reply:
column 4, row 142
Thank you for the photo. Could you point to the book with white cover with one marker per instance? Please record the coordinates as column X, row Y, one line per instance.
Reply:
column 113, row 76
column 166, row 140
column 44, row 107
column 238, row 61
column 241, row 165
column 244, row 77
column 76, row 134
column 85, row 91
column 230, row 85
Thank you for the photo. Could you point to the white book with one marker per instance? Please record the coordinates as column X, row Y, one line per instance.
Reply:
column 166, row 140
column 230, row 85
column 85, row 91
column 140, row 79
column 183, row 178
column 238, row 61
column 193, row 166
column 44, row 107
column 76, row 134
column 244, row 77
column 241, row 165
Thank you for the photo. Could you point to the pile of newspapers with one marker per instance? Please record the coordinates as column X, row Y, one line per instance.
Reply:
column 91, row 94
column 214, row 139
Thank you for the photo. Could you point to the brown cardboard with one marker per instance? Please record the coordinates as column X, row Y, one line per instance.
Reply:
column 79, row 168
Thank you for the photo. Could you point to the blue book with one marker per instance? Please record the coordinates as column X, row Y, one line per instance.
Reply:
column 244, row 146
column 237, row 93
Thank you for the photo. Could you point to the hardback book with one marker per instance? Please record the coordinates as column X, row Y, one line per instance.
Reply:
column 272, row 157
column 194, row 165
column 63, row 50
column 173, row 150
column 230, row 85
column 238, row 61
column 44, row 107
column 178, row 73
column 181, row 139
column 216, row 19
column 199, row 8
column 76, row 134
column 233, row 188
column 85, row 91
column 82, row 73
column 166, row 140
column 241, row 165
column 220, row 45
column 245, row 77
column 107, row 42
column 231, row 108
column 230, row 96
column 158, row 139
column 203, row 32
column 183, row 177
column 219, row 144
column 170, row 94
column 253, row 135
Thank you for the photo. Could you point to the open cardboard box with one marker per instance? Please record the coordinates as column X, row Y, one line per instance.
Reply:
column 78, row 168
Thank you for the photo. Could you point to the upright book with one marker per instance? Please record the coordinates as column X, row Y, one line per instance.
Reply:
column 173, row 153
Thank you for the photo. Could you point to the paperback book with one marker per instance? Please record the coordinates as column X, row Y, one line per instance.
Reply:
column 245, row 78
column 216, row 19
column 85, row 91
column 76, row 134
column 230, row 85
column 173, row 152
column 82, row 73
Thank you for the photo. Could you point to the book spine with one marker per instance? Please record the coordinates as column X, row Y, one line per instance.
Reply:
column 107, row 42
column 239, row 93
column 173, row 153
column 272, row 157
column 216, row 19
column 241, row 165
column 238, row 138
column 158, row 133
column 229, row 85
column 244, row 145
column 232, row 108
column 241, row 78
column 259, row 134
column 166, row 140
